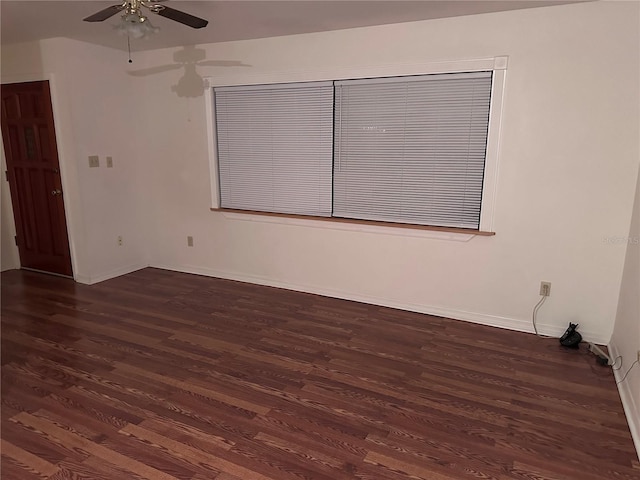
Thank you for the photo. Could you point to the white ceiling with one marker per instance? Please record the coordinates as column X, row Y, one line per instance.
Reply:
column 25, row 20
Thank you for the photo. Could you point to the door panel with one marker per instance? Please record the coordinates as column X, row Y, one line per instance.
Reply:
column 34, row 177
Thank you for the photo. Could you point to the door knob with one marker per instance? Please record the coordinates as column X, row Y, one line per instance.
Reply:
column 56, row 192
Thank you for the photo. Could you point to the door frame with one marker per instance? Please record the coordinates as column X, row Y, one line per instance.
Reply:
column 63, row 156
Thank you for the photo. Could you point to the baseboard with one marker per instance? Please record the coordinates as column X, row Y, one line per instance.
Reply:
column 629, row 401
column 116, row 272
column 520, row 325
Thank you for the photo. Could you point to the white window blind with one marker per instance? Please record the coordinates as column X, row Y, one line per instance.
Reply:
column 411, row 149
column 275, row 147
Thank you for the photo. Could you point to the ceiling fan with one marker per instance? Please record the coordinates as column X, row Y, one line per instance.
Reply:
column 133, row 13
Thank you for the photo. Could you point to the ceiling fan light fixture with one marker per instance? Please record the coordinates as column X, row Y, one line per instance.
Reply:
column 135, row 26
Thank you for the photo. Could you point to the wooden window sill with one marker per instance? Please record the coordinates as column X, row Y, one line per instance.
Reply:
column 356, row 222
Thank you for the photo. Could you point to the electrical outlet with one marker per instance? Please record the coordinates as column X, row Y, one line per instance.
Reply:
column 109, row 162
column 189, row 241
column 545, row 289
column 119, row 240
column 94, row 161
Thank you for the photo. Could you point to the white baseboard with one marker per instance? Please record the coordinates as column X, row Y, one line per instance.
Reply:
column 116, row 272
column 629, row 401
column 520, row 325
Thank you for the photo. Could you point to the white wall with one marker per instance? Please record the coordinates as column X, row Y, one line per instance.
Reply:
column 96, row 114
column 569, row 160
column 626, row 334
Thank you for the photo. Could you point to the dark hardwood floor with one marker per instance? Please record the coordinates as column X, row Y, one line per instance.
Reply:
column 162, row 375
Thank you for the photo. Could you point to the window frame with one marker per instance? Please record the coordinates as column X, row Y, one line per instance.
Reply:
column 496, row 64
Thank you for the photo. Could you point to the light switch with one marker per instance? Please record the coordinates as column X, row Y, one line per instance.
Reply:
column 94, row 161
column 109, row 162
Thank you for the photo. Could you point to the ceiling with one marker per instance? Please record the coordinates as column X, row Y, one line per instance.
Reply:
column 23, row 21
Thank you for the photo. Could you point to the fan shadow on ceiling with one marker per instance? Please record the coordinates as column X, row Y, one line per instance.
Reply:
column 191, row 84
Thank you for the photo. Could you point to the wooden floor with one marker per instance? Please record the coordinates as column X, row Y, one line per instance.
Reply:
column 162, row 375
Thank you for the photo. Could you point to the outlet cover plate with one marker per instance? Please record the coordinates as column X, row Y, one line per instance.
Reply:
column 545, row 288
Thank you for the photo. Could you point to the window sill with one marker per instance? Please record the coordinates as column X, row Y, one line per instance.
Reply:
column 387, row 228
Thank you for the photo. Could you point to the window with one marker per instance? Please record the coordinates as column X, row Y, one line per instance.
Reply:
column 411, row 149
column 406, row 150
column 275, row 147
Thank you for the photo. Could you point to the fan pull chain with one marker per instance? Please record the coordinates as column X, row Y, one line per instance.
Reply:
column 129, row 47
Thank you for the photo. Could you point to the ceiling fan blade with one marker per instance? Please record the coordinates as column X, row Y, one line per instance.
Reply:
column 185, row 18
column 102, row 15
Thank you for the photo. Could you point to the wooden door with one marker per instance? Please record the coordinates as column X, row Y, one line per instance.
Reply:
column 33, row 172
